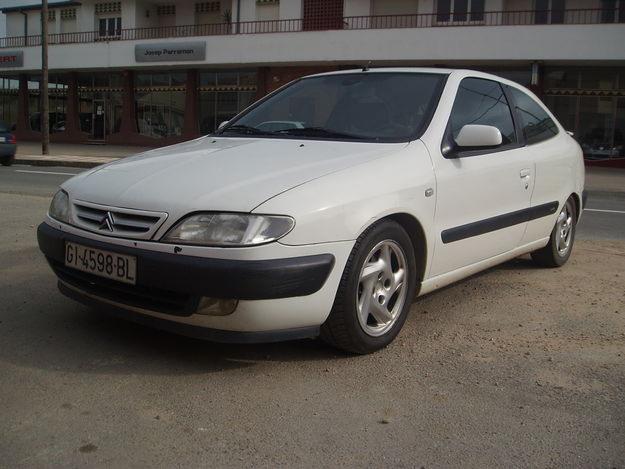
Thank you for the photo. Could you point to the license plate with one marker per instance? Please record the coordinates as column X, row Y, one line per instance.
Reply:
column 3, row 139
column 102, row 263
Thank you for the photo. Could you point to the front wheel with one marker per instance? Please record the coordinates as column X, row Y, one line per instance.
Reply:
column 375, row 292
column 558, row 251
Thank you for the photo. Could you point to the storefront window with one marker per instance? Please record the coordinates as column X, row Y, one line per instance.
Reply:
column 562, row 79
column 224, row 94
column 9, row 89
column 590, row 103
column 100, row 99
column 160, row 101
column 34, row 103
column 58, row 86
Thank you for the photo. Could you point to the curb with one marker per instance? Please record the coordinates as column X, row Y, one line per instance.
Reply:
column 63, row 163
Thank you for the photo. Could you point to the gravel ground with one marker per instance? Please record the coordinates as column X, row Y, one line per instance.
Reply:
column 517, row 366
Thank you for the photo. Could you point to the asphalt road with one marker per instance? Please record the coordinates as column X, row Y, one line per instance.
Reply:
column 517, row 366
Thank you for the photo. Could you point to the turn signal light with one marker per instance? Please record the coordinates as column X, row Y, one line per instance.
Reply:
column 12, row 139
column 216, row 306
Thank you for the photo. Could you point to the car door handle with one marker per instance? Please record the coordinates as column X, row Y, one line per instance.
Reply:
column 525, row 173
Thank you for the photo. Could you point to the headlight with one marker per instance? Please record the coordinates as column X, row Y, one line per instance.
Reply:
column 59, row 207
column 229, row 229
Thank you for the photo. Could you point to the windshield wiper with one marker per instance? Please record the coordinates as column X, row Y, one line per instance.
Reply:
column 245, row 129
column 318, row 132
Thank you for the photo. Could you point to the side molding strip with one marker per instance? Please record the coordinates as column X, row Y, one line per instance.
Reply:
column 499, row 222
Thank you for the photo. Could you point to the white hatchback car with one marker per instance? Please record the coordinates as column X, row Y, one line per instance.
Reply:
column 381, row 185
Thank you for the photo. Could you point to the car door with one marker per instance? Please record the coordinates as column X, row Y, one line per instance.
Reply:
column 555, row 168
column 482, row 194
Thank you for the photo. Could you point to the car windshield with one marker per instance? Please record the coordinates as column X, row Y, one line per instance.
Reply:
column 375, row 106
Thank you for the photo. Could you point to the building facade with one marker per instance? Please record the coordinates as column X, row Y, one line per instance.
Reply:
column 155, row 72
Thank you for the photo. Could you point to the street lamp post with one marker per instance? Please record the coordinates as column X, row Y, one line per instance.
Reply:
column 45, row 103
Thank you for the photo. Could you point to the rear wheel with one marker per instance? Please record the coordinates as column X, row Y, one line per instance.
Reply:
column 375, row 292
column 558, row 251
column 7, row 160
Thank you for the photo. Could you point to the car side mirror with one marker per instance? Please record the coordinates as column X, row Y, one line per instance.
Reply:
column 222, row 125
column 476, row 136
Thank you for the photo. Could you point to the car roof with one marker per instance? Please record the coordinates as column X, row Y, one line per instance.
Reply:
column 456, row 72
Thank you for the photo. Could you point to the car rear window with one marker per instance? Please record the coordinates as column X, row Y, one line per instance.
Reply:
column 3, row 127
column 536, row 123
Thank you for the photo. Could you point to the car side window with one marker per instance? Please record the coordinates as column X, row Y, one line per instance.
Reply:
column 482, row 102
column 536, row 123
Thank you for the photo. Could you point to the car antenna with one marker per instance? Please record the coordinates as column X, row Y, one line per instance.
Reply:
column 366, row 67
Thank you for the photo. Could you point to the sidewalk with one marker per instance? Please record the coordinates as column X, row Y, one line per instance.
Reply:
column 605, row 179
column 68, row 154
column 88, row 156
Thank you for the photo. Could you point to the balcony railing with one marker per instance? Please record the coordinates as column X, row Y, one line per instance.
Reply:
column 427, row 20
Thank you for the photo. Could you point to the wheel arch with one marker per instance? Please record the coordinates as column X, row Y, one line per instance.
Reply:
column 417, row 236
column 578, row 205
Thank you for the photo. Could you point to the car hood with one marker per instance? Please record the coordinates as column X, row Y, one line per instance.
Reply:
column 226, row 174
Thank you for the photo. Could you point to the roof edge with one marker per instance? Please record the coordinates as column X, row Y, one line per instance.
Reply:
column 38, row 7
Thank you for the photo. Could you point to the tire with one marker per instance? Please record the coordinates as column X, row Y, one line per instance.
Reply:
column 7, row 160
column 560, row 246
column 357, row 323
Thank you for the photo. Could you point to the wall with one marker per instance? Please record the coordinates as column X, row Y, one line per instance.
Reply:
column 289, row 9
column 14, row 24
column 268, row 12
column 467, row 44
column 358, row 7
column 394, row 7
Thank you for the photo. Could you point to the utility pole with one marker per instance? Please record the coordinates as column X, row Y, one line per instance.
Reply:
column 45, row 103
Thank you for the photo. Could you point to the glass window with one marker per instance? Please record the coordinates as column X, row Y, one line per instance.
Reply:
column 373, row 106
column 565, row 109
column 443, row 10
column 541, row 15
column 34, row 103
column 58, row 86
column 557, row 11
column 160, row 102
column 477, row 10
column 461, row 7
column 561, row 78
column 536, row 123
column 108, row 27
column 9, row 88
column 103, row 91
column 596, row 126
column 458, row 10
column 482, row 102
column 599, row 79
column 223, row 95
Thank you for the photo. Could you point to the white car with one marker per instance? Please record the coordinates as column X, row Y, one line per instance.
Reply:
column 400, row 182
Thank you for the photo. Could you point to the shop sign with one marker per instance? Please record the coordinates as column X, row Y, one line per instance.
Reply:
column 11, row 59
column 170, row 52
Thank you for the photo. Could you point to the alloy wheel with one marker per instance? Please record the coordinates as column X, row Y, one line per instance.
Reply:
column 382, row 289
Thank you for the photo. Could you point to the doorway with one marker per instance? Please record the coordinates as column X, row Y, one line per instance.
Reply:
column 98, row 120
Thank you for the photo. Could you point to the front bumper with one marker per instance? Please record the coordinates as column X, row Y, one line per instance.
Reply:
column 169, row 286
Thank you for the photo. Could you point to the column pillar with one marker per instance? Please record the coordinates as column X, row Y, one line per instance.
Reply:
column 72, row 119
column 191, row 128
column 128, row 125
column 22, row 129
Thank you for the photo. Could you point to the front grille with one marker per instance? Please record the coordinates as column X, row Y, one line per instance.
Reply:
column 153, row 299
column 112, row 221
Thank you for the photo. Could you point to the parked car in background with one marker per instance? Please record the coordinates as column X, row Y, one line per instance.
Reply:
column 8, row 145
column 323, row 209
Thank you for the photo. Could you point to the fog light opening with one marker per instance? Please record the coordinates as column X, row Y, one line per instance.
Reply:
column 216, row 306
